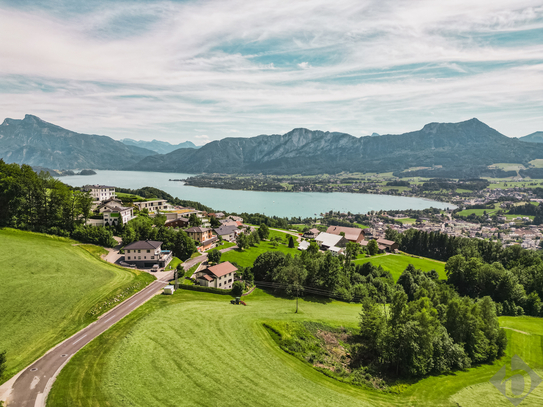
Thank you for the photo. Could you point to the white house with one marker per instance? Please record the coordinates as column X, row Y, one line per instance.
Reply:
column 154, row 205
column 99, row 192
column 327, row 240
column 218, row 276
column 147, row 253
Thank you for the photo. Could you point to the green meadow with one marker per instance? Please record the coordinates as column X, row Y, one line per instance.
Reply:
column 247, row 257
column 397, row 263
column 50, row 290
column 196, row 349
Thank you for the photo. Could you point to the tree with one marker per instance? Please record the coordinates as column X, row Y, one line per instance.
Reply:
column 215, row 223
column 373, row 247
column 293, row 275
column 242, row 241
column 183, row 245
column 194, row 220
column 263, row 231
column 313, row 248
column 214, row 256
column 237, row 288
column 275, row 240
column 291, row 243
column 352, row 250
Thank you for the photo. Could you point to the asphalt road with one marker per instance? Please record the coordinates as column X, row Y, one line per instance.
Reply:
column 33, row 385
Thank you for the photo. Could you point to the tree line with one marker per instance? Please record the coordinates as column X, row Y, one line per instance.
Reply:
column 511, row 276
column 41, row 203
column 417, row 326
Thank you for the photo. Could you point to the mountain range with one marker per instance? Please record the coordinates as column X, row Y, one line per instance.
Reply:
column 159, row 147
column 454, row 147
column 445, row 149
column 39, row 143
column 536, row 137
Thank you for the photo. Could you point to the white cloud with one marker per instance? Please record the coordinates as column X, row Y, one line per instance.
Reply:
column 223, row 67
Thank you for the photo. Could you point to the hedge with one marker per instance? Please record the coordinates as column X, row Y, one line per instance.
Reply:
column 205, row 289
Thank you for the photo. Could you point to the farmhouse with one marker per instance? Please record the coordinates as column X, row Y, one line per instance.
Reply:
column 147, row 253
column 387, row 245
column 351, row 234
column 328, row 240
column 311, row 233
column 219, row 276
column 99, row 193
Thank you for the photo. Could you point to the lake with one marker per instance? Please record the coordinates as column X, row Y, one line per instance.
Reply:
column 304, row 204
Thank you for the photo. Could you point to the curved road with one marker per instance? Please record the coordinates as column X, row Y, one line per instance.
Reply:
column 34, row 383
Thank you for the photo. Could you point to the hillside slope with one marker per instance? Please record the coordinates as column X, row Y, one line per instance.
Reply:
column 39, row 143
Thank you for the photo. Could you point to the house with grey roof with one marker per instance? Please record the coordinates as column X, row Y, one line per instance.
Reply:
column 146, row 254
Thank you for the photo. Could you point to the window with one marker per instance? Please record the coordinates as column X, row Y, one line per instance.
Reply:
column 148, row 251
column 145, row 257
column 152, row 257
column 128, row 257
column 139, row 257
column 220, row 284
column 139, row 251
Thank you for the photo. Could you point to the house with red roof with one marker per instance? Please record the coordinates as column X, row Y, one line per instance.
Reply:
column 219, row 276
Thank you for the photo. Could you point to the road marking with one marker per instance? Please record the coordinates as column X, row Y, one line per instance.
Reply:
column 34, row 383
column 109, row 319
column 79, row 339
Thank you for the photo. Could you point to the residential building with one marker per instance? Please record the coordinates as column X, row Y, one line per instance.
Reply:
column 147, row 253
column 351, row 234
column 204, row 236
column 156, row 205
column 387, row 245
column 177, row 223
column 311, row 233
column 219, row 276
column 99, row 193
column 227, row 233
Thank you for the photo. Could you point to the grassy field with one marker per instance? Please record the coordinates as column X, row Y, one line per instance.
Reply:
column 407, row 221
column 397, row 263
column 195, row 349
column 49, row 290
column 247, row 257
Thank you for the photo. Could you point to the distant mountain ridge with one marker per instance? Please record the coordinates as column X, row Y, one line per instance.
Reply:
column 463, row 149
column 536, row 137
column 159, row 147
column 38, row 143
column 453, row 146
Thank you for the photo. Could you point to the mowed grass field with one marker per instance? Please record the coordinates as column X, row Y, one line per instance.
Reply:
column 248, row 256
column 397, row 263
column 196, row 349
column 48, row 287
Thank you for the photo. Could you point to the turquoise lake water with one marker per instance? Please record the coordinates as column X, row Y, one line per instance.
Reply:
column 304, row 204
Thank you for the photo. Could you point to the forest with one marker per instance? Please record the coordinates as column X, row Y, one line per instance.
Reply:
column 511, row 276
column 417, row 326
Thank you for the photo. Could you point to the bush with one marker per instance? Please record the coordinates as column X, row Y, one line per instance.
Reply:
column 205, row 289
column 237, row 288
column 98, row 235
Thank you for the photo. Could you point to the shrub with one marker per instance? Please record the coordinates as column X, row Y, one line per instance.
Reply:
column 237, row 288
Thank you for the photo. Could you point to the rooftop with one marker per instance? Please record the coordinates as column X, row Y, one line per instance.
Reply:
column 143, row 245
column 222, row 269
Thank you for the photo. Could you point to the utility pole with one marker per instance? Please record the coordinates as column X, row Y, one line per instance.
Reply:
column 176, row 276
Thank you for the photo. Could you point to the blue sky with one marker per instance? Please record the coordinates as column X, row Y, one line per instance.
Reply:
column 205, row 70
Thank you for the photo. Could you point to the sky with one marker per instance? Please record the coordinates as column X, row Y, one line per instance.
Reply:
column 206, row 70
